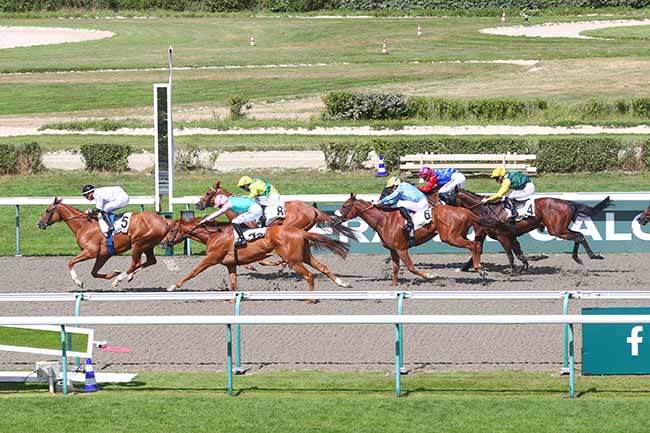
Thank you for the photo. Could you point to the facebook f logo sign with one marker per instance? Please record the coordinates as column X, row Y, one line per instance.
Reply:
column 634, row 340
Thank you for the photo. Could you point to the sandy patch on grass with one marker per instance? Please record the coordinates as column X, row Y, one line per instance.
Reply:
column 562, row 30
column 13, row 37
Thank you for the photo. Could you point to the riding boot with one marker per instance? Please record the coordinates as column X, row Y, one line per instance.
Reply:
column 107, row 219
column 262, row 221
column 513, row 210
column 241, row 240
column 445, row 198
column 409, row 228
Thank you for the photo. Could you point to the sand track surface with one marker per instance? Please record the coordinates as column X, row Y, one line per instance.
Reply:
column 13, row 37
column 362, row 347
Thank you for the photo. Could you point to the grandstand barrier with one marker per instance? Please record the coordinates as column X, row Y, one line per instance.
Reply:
column 396, row 320
column 399, row 296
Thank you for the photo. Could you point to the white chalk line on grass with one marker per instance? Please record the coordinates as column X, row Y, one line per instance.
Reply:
column 562, row 30
column 350, row 130
column 273, row 66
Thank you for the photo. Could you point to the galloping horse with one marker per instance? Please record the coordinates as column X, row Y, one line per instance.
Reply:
column 447, row 221
column 553, row 213
column 298, row 213
column 146, row 230
column 290, row 243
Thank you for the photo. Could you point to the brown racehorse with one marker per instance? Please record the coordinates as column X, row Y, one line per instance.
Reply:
column 290, row 243
column 298, row 213
column 446, row 221
column 146, row 230
column 553, row 213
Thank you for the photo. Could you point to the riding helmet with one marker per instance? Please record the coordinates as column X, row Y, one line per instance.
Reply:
column 87, row 189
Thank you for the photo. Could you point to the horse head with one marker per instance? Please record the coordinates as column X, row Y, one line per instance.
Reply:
column 207, row 200
column 352, row 208
column 174, row 235
column 51, row 215
column 645, row 217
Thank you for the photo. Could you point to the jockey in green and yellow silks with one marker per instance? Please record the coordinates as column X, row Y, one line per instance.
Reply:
column 514, row 187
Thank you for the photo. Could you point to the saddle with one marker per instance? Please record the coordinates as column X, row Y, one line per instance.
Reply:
column 513, row 206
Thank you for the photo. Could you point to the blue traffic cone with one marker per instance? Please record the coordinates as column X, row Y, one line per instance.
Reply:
column 91, row 383
column 381, row 169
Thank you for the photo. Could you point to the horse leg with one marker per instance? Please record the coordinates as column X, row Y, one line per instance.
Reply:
column 395, row 257
column 516, row 246
column 99, row 262
column 81, row 257
column 570, row 235
column 232, row 276
column 136, row 264
column 209, row 260
column 308, row 258
column 151, row 260
column 459, row 241
column 404, row 256
column 307, row 276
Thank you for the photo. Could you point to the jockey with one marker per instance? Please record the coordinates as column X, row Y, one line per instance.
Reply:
column 107, row 200
column 406, row 197
column 247, row 209
column 261, row 191
column 514, row 186
column 445, row 179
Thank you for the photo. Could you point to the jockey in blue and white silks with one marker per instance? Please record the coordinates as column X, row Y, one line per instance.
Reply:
column 404, row 196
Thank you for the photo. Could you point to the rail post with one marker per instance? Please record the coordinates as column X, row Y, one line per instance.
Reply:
column 398, row 361
column 229, row 352
column 238, row 369
column 77, row 312
column 572, row 391
column 64, row 359
column 565, row 310
column 400, row 326
column 17, row 230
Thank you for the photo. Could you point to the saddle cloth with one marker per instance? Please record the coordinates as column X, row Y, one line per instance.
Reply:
column 421, row 218
column 120, row 223
column 525, row 209
column 272, row 213
column 252, row 234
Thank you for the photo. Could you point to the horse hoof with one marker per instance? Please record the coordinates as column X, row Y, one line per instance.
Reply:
column 458, row 270
column 483, row 274
column 115, row 283
column 171, row 288
column 311, row 301
column 339, row 282
column 597, row 257
column 578, row 261
column 431, row 276
column 80, row 284
column 130, row 278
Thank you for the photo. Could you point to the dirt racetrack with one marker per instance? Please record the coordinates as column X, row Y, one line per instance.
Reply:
column 361, row 347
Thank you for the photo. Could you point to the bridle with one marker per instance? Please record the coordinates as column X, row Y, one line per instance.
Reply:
column 209, row 196
column 344, row 211
column 50, row 214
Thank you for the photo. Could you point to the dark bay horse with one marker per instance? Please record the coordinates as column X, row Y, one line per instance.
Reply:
column 447, row 221
column 290, row 243
column 555, row 214
column 146, row 230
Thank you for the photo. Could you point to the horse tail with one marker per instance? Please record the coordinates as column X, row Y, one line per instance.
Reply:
column 583, row 211
column 324, row 221
column 323, row 242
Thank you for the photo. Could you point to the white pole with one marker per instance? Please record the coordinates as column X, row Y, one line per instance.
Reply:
column 170, row 129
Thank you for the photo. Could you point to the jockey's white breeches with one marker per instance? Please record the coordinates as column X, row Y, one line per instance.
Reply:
column 254, row 213
column 413, row 206
column 116, row 204
column 272, row 199
column 457, row 179
column 522, row 194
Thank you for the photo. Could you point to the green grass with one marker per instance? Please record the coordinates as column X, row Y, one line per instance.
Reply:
column 58, row 240
column 336, row 402
column 351, row 50
column 41, row 339
column 633, row 32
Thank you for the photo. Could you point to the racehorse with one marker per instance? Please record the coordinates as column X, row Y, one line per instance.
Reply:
column 146, row 230
column 645, row 217
column 446, row 221
column 290, row 243
column 555, row 214
column 298, row 213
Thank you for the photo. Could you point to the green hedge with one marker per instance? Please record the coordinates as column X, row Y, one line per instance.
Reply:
column 557, row 155
column 345, row 155
column 309, row 5
column 365, row 106
column 110, row 157
column 26, row 158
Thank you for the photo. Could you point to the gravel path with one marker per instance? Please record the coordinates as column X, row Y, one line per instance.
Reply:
column 562, row 30
column 167, row 348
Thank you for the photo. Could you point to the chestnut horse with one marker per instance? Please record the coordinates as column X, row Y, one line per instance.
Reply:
column 298, row 213
column 146, row 230
column 553, row 213
column 290, row 243
column 447, row 221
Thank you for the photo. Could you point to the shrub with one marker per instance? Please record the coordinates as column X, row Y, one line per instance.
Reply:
column 237, row 107
column 392, row 149
column 111, row 157
column 364, row 106
column 25, row 158
column 645, row 154
column 345, row 156
column 641, row 107
column 189, row 158
column 621, row 106
column 568, row 155
column 595, row 108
